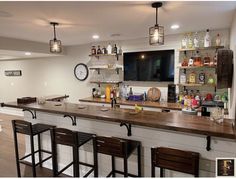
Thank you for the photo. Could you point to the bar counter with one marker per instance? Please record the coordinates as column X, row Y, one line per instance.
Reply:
column 150, row 104
column 173, row 129
column 169, row 121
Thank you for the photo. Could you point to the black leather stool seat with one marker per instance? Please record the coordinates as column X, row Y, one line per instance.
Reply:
column 40, row 128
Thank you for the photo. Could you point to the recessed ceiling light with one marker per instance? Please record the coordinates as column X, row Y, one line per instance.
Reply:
column 95, row 36
column 175, row 26
column 27, row 53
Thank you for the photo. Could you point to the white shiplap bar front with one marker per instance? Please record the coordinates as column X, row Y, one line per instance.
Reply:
column 148, row 136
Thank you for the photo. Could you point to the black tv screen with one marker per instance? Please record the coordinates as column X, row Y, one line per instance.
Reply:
column 149, row 66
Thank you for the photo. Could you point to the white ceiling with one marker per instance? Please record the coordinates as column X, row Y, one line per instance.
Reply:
column 13, row 55
column 80, row 20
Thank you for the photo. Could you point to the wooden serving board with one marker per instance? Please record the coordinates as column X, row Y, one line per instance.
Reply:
column 153, row 94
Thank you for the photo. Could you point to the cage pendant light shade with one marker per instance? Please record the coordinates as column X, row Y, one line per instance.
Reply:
column 156, row 33
column 55, row 45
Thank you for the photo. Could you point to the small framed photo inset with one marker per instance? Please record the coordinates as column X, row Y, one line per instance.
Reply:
column 13, row 73
column 225, row 167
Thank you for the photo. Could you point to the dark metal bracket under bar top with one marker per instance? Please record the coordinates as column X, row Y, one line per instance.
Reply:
column 208, row 147
column 33, row 113
column 128, row 127
column 73, row 119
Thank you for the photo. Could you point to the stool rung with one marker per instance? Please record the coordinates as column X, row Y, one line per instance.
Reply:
column 86, row 164
column 62, row 170
column 89, row 172
column 109, row 174
column 25, row 162
column 46, row 151
column 28, row 155
column 129, row 174
column 43, row 160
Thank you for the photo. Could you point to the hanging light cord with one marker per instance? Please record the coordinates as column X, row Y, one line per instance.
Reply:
column 54, row 30
column 156, row 16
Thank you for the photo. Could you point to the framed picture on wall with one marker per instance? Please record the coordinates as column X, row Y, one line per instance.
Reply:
column 13, row 73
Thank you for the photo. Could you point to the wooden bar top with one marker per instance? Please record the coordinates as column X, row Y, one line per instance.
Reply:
column 161, row 105
column 56, row 97
column 174, row 121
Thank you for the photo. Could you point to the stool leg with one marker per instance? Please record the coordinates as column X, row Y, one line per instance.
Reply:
column 125, row 167
column 113, row 166
column 32, row 155
column 95, row 157
column 39, row 148
column 162, row 174
column 152, row 162
column 139, row 160
column 76, row 162
column 54, row 154
column 17, row 155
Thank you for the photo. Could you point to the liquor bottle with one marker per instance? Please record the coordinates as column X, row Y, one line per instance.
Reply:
column 197, row 59
column 183, row 78
column 207, row 39
column 190, row 40
column 93, row 50
column 202, row 78
column 184, row 42
column 192, row 78
column 109, row 49
column 196, row 40
column 114, row 49
column 99, row 51
column 218, row 40
column 130, row 91
column 104, row 50
column 185, row 60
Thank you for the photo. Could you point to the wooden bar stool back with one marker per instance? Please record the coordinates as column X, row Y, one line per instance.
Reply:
column 74, row 139
column 173, row 159
column 26, row 128
column 122, row 148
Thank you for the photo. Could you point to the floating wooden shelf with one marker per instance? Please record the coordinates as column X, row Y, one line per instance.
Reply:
column 197, row 85
column 105, row 68
column 194, row 67
column 106, row 82
column 104, row 55
column 201, row 48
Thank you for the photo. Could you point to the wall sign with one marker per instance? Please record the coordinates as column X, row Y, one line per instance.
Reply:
column 13, row 73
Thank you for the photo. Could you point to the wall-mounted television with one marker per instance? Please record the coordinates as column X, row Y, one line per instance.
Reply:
column 149, row 66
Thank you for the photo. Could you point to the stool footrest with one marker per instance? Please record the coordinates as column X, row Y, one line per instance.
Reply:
column 62, row 170
column 25, row 162
column 44, row 160
column 86, row 164
column 129, row 174
column 89, row 172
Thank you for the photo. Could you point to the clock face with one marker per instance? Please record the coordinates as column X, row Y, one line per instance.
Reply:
column 81, row 71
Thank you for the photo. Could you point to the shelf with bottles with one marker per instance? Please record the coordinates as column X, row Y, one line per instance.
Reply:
column 196, row 85
column 201, row 48
column 197, row 67
column 111, row 51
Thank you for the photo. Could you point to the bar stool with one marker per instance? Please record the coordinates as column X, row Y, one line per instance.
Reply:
column 75, row 140
column 173, row 159
column 122, row 148
column 24, row 127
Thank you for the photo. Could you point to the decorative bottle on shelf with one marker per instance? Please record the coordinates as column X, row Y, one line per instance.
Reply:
column 183, row 78
column 114, row 49
column 218, row 40
column 99, row 51
column 201, row 77
column 184, row 42
column 192, row 78
column 109, row 49
column 196, row 40
column 108, row 92
column 104, row 50
column 190, row 40
column 130, row 91
column 207, row 39
column 93, row 50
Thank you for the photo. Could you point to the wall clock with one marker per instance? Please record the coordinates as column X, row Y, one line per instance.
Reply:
column 81, row 71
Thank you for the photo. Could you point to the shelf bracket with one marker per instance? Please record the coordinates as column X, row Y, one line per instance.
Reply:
column 128, row 127
column 73, row 119
column 33, row 113
column 208, row 147
column 117, row 71
column 98, row 70
column 117, row 56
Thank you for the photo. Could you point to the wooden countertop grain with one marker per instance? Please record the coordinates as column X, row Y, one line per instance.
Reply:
column 175, row 121
column 161, row 105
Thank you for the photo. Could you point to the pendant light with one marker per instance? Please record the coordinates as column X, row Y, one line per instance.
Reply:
column 55, row 45
column 156, row 33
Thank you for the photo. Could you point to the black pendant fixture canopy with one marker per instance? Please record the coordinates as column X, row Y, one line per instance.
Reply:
column 156, row 33
column 55, row 45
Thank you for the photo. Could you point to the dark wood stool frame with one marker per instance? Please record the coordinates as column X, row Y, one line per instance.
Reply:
column 26, row 128
column 176, row 160
column 75, row 140
column 117, row 147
